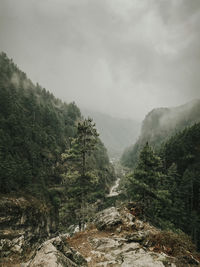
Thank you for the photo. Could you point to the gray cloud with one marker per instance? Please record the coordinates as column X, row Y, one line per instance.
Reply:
column 123, row 57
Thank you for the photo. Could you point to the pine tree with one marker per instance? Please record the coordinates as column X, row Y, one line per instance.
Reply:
column 145, row 183
column 78, row 177
column 172, row 184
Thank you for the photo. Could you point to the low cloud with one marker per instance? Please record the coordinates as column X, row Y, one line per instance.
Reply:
column 123, row 57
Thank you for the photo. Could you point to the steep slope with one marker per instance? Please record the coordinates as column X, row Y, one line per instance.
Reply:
column 35, row 129
column 181, row 154
column 116, row 133
column 167, row 183
column 25, row 222
column 159, row 125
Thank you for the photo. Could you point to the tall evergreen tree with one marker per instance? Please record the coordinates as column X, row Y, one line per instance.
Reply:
column 145, row 184
column 78, row 176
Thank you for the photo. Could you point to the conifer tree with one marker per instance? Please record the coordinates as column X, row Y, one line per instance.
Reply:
column 78, row 176
column 172, row 184
column 145, row 183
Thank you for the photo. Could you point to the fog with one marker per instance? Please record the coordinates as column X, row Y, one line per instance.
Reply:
column 121, row 57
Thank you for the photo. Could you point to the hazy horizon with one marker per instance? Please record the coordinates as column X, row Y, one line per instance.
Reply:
column 117, row 57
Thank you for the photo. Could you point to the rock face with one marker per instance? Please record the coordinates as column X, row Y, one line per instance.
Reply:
column 107, row 219
column 121, row 239
column 124, row 250
column 118, row 238
column 115, row 251
column 24, row 221
column 56, row 253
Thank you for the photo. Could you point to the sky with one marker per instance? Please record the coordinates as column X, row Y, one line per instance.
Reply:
column 121, row 57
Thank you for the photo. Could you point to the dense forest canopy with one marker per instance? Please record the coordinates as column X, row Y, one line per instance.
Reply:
column 167, row 182
column 159, row 125
column 35, row 129
column 47, row 149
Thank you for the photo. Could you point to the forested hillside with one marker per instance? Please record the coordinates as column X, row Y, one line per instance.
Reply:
column 116, row 133
column 167, row 183
column 159, row 125
column 35, row 130
column 54, row 165
column 181, row 157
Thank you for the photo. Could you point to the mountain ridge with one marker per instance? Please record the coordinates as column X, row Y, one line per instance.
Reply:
column 159, row 125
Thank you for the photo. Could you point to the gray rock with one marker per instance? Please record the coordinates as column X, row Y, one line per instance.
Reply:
column 125, row 249
column 119, row 229
column 139, row 225
column 78, row 258
column 47, row 256
column 137, row 236
column 130, row 247
column 24, row 222
column 141, row 258
column 107, row 219
column 129, row 217
column 56, row 253
column 106, row 244
column 114, row 251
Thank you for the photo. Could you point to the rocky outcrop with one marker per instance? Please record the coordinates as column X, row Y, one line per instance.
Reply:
column 121, row 239
column 24, row 221
column 56, row 253
column 117, row 238
column 115, row 251
column 107, row 218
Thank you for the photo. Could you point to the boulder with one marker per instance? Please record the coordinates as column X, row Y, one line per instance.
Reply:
column 107, row 219
column 137, row 236
column 56, row 253
column 115, row 251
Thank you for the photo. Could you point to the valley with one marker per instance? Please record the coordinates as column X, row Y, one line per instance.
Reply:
column 59, row 172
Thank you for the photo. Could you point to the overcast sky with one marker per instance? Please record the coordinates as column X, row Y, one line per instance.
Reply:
column 122, row 57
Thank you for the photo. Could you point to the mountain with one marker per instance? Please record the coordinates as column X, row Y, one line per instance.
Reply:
column 181, row 155
column 167, row 179
column 116, row 133
column 36, row 130
column 55, row 172
column 35, row 127
column 159, row 125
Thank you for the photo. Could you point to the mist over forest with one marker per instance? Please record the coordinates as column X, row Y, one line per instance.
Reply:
column 116, row 133
column 100, row 133
column 122, row 58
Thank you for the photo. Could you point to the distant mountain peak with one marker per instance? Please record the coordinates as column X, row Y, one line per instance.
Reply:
column 160, row 123
column 116, row 133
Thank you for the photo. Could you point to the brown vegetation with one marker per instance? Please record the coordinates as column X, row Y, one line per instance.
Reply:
column 80, row 242
column 172, row 244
